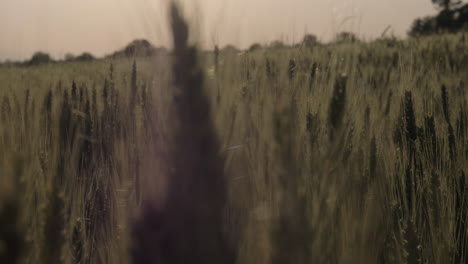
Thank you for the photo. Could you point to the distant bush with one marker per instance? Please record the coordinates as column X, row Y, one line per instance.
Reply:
column 138, row 48
column 255, row 46
column 40, row 58
column 310, row 41
column 346, row 37
column 85, row 57
column 230, row 49
column 277, row 44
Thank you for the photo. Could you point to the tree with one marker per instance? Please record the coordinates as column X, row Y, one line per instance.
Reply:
column 452, row 18
column 277, row 44
column 255, row 46
column 447, row 4
column 310, row 40
column 139, row 47
column 346, row 37
column 85, row 57
column 39, row 58
column 423, row 26
column 230, row 49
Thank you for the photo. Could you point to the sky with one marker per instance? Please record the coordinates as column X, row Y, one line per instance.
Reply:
column 103, row 26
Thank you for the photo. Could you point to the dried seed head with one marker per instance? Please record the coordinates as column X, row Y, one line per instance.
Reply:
column 445, row 103
column 337, row 105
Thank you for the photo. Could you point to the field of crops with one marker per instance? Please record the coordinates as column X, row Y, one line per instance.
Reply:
column 342, row 153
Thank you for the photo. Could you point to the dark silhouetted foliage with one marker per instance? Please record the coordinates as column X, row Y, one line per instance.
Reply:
column 40, row 58
column 346, row 37
column 230, row 48
column 446, row 4
column 138, row 48
column 452, row 18
column 255, row 46
column 277, row 44
column 85, row 57
column 310, row 40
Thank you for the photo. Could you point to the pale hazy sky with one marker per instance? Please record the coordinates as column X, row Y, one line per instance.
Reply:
column 103, row 26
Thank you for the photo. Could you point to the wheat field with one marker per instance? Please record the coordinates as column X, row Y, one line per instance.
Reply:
column 352, row 152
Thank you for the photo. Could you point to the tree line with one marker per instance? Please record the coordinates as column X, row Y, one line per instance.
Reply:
column 452, row 17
